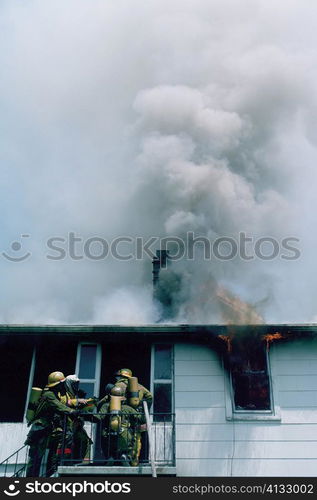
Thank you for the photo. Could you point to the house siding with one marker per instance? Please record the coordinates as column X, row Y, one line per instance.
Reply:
column 209, row 445
column 12, row 437
column 204, row 440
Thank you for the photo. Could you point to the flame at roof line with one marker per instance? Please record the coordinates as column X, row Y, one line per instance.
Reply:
column 271, row 337
column 236, row 311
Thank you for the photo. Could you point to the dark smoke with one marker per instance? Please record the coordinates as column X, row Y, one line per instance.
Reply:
column 157, row 118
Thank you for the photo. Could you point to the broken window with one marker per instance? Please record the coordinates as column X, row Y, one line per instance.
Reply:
column 250, row 377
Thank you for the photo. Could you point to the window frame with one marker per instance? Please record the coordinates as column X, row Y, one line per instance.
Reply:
column 274, row 413
column 166, row 381
column 96, row 379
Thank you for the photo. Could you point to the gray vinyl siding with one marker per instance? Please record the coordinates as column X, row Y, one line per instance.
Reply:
column 209, row 445
column 12, row 437
column 204, row 440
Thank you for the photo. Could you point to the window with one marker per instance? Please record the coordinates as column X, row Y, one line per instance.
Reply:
column 250, row 382
column 251, row 395
column 162, row 381
column 88, row 368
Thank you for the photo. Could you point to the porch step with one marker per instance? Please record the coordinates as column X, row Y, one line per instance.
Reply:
column 103, row 470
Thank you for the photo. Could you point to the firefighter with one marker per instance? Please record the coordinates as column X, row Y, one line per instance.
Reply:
column 136, row 401
column 124, row 374
column 106, row 398
column 118, row 430
column 80, row 438
column 46, row 431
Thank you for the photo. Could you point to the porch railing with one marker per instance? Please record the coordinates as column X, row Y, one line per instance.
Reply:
column 108, row 445
column 94, row 440
column 14, row 465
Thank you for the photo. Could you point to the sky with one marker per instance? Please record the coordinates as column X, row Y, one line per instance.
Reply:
column 156, row 119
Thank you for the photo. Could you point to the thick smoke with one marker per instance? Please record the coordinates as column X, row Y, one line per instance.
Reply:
column 157, row 119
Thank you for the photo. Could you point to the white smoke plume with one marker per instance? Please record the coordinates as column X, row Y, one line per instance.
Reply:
column 148, row 119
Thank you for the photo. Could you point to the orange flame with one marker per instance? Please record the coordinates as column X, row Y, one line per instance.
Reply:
column 236, row 311
column 270, row 337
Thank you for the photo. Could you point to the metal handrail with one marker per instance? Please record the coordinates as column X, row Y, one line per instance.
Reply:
column 6, row 463
column 157, row 449
column 19, row 472
column 158, row 446
column 14, row 453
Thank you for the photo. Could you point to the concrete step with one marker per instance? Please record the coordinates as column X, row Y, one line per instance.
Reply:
column 103, row 470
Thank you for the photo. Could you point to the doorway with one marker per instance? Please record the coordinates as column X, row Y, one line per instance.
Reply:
column 135, row 356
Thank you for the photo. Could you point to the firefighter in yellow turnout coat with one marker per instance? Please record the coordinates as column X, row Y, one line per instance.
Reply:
column 80, row 440
column 119, row 423
column 135, row 399
column 45, row 430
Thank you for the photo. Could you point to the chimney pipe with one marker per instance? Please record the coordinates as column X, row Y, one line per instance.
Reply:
column 159, row 262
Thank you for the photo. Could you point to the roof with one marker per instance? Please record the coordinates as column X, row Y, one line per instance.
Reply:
column 162, row 332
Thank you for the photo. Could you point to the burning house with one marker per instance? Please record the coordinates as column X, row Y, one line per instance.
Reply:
column 234, row 399
column 192, row 122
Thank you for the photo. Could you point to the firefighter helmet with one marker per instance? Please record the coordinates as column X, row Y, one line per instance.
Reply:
column 55, row 378
column 125, row 372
